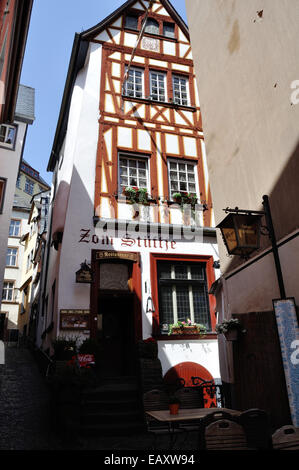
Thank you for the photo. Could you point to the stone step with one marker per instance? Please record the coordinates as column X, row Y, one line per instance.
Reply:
column 111, row 417
column 113, row 429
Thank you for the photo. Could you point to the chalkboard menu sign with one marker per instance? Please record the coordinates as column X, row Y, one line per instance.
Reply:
column 74, row 319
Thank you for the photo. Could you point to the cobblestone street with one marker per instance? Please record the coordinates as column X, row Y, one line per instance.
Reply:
column 25, row 413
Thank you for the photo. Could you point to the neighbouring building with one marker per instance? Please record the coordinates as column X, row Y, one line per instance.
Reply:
column 30, row 204
column 12, row 142
column 125, row 259
column 246, row 56
column 13, row 269
column 15, row 18
column 33, row 255
column 29, row 182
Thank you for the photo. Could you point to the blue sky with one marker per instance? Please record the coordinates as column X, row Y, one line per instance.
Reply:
column 49, row 44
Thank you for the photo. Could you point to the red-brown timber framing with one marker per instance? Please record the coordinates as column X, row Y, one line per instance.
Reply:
column 208, row 260
column 152, row 122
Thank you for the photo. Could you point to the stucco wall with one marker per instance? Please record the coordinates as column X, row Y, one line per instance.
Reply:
column 245, row 64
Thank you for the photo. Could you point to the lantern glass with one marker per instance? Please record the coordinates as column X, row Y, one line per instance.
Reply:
column 241, row 233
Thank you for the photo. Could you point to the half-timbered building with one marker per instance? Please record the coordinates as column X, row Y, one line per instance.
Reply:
column 132, row 244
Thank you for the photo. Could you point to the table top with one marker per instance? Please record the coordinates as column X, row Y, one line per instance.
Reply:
column 188, row 414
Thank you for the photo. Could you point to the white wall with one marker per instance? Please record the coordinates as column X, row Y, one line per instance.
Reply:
column 9, row 165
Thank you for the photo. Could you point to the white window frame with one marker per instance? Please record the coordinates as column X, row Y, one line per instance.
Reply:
column 8, row 128
column 28, row 180
column 12, row 256
column 8, row 289
column 158, row 91
column 184, row 162
column 135, row 69
column 132, row 156
column 12, row 225
column 180, row 77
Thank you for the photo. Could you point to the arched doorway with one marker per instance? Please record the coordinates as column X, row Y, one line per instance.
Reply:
column 186, row 370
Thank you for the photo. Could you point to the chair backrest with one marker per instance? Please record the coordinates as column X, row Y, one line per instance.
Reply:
column 286, row 438
column 190, row 397
column 224, row 434
column 257, row 428
column 155, row 400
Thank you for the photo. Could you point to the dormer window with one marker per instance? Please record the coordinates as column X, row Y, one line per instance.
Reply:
column 131, row 22
column 152, row 26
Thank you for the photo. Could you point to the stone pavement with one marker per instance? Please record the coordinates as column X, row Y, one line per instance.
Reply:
column 25, row 411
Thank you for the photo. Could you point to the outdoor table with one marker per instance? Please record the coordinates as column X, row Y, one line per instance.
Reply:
column 186, row 414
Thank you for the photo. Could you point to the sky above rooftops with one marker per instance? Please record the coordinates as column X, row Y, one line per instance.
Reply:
column 48, row 50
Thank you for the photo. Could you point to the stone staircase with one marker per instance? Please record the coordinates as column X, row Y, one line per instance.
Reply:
column 112, row 408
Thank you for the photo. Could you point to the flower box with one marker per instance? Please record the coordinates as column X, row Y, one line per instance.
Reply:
column 187, row 330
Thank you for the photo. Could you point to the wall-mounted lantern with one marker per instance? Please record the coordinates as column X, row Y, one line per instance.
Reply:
column 84, row 275
column 241, row 231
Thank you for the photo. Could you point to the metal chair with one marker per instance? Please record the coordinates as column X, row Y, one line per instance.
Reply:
column 225, row 434
column 257, row 428
column 286, row 438
column 158, row 400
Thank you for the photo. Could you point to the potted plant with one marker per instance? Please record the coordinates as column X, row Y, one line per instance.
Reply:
column 136, row 195
column 184, row 197
column 174, row 404
column 187, row 328
column 231, row 329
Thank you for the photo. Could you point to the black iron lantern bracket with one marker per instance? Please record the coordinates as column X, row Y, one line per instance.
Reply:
column 267, row 229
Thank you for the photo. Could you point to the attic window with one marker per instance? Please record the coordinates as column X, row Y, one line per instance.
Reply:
column 131, row 22
column 152, row 26
column 168, row 30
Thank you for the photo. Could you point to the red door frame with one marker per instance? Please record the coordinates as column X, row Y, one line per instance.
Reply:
column 208, row 260
column 95, row 294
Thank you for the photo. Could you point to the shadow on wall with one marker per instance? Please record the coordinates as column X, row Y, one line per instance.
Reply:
column 283, row 201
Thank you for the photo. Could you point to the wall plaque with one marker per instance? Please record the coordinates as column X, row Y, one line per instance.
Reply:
column 74, row 319
column 150, row 44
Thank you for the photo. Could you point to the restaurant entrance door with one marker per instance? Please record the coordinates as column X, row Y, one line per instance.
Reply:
column 116, row 335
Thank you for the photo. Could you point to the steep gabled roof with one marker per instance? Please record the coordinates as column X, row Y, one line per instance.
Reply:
column 95, row 30
column 77, row 60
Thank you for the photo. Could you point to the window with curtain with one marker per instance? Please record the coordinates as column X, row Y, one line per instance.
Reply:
column 132, row 172
column 152, row 26
column 180, row 90
column 168, row 30
column 182, row 176
column 134, row 83
column 158, row 86
column 183, row 294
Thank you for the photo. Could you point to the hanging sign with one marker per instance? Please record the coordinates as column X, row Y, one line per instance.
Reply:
column 74, row 319
column 121, row 255
column 288, row 331
column 84, row 275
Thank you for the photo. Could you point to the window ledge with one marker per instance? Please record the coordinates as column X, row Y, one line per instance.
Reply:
column 158, row 103
column 167, row 337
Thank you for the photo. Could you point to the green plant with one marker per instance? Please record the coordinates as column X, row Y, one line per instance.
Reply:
column 183, row 325
column 227, row 325
column 184, row 198
column 173, row 399
column 136, row 195
column 64, row 347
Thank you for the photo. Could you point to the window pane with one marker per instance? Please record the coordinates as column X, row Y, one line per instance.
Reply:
column 180, row 272
column 131, row 22
column 168, row 30
column 152, row 26
column 182, row 300
column 201, row 305
column 166, row 315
